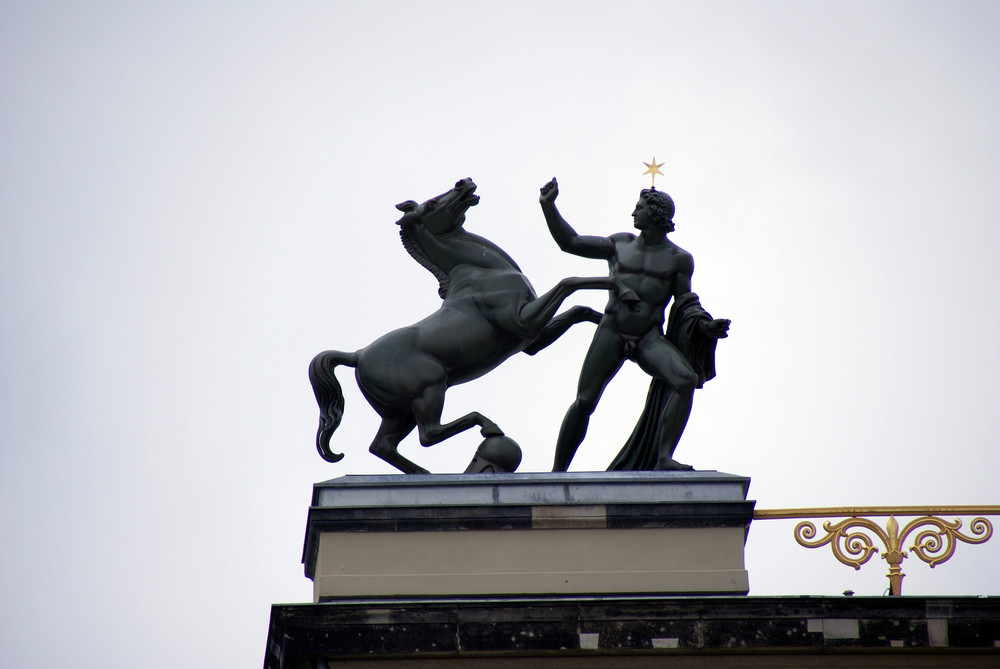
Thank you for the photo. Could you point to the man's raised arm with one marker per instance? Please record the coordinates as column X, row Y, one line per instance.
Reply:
column 565, row 236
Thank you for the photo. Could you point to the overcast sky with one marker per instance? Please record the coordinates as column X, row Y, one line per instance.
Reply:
column 196, row 198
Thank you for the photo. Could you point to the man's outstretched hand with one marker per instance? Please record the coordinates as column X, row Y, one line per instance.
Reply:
column 549, row 192
column 717, row 329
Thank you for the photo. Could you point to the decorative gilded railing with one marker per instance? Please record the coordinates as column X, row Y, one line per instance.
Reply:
column 853, row 540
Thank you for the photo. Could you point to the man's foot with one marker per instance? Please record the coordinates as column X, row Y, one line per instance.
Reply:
column 671, row 465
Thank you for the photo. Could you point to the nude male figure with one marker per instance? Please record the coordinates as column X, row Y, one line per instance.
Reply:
column 649, row 270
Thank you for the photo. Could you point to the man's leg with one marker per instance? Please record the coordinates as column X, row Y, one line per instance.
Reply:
column 604, row 359
column 659, row 358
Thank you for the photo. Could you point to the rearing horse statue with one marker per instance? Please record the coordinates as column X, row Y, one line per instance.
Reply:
column 489, row 313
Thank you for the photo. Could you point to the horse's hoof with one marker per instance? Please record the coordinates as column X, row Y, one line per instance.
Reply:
column 491, row 430
column 496, row 455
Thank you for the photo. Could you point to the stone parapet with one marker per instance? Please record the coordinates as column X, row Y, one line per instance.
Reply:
column 639, row 631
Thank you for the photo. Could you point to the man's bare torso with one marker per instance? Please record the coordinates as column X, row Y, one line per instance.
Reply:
column 647, row 277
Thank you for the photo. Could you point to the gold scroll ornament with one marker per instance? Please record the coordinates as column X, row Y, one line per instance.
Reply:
column 852, row 543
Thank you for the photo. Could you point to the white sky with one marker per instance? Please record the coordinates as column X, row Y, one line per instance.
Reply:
column 196, row 198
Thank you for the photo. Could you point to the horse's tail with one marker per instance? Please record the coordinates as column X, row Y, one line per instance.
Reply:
column 329, row 396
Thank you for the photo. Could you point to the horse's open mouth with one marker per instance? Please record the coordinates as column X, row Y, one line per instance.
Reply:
column 469, row 197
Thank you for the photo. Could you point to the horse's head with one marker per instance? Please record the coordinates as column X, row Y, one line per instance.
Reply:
column 444, row 213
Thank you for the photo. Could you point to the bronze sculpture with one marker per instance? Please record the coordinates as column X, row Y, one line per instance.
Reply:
column 648, row 271
column 489, row 312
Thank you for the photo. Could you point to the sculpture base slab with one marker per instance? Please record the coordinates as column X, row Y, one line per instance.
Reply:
column 528, row 534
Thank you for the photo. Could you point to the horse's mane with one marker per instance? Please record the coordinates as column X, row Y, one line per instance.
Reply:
column 413, row 248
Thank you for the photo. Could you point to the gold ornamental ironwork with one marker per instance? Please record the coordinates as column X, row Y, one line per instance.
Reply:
column 854, row 540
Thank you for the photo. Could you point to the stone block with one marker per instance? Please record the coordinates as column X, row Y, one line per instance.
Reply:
column 524, row 534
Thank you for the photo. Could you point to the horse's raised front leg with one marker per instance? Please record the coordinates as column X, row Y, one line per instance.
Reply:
column 427, row 410
column 557, row 327
column 534, row 315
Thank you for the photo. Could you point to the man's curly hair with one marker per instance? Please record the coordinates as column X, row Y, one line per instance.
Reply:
column 661, row 207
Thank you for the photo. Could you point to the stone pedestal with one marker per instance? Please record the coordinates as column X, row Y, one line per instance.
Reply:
column 528, row 534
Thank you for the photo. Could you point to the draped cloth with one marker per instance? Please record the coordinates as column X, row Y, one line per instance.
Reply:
column 641, row 451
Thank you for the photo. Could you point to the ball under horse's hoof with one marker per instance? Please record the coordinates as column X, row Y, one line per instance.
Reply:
column 496, row 455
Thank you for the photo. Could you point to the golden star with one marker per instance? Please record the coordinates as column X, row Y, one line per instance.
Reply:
column 653, row 169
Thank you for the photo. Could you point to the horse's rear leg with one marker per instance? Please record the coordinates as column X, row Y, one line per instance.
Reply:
column 427, row 410
column 392, row 431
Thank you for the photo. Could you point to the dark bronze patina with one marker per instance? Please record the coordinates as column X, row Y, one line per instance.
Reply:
column 648, row 270
column 489, row 312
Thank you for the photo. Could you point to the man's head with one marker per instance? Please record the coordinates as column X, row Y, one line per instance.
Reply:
column 659, row 207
